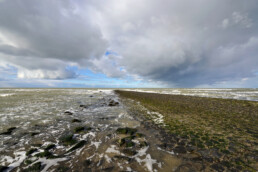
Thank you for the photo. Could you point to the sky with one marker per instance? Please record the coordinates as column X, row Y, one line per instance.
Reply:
column 129, row 43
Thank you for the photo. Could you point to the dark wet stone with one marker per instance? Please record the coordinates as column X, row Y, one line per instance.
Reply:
column 185, row 168
column 68, row 113
column 3, row 168
column 91, row 96
column 126, row 130
column 139, row 134
column 87, row 163
column 31, row 151
column 78, row 145
column 67, row 139
column 190, row 148
column 113, row 103
column 121, row 157
column 109, row 169
column 143, row 144
column 217, row 167
column 50, row 146
column 36, row 145
column 84, row 106
column 181, row 143
column 179, row 149
column 129, row 152
column 62, row 169
column 34, row 133
column 215, row 153
column 226, row 164
column 35, row 167
column 79, row 129
column 45, row 154
column 9, row 131
column 76, row 120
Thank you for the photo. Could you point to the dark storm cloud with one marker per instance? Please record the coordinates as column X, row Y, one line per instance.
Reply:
column 182, row 42
column 43, row 30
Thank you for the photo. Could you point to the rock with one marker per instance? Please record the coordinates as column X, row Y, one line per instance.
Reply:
column 217, row 167
column 34, row 133
column 67, row 140
column 46, row 154
column 108, row 169
column 78, row 129
column 3, row 168
column 29, row 152
column 76, row 120
column 91, row 96
column 143, row 144
column 139, row 134
column 35, row 167
column 68, row 113
column 9, row 131
column 62, row 169
column 129, row 152
column 113, row 103
column 78, row 145
column 121, row 157
column 126, row 130
column 84, row 106
column 127, row 142
column 179, row 149
column 184, row 168
column 87, row 163
column 50, row 146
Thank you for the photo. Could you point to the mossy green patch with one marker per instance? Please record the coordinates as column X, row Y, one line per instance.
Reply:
column 206, row 123
column 68, row 140
column 32, row 150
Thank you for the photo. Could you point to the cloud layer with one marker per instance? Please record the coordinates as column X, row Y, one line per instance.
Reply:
column 180, row 43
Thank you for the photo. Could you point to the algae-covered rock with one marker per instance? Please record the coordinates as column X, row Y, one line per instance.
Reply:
column 76, row 120
column 78, row 129
column 83, row 106
column 139, row 134
column 62, row 169
column 46, row 154
column 113, row 103
column 127, row 142
column 31, row 151
column 67, row 140
column 50, row 146
column 35, row 167
column 34, row 133
column 126, row 130
column 3, row 168
column 9, row 131
column 81, row 129
column 68, row 113
column 121, row 157
column 129, row 152
column 78, row 145
column 143, row 144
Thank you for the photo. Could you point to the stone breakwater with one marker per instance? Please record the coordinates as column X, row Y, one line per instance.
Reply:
column 216, row 134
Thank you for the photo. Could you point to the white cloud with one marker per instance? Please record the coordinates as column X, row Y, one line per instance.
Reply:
column 181, row 42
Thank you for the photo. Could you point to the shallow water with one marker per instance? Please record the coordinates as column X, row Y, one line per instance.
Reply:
column 40, row 118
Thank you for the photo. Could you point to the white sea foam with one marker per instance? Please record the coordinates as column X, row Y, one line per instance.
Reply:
column 5, row 95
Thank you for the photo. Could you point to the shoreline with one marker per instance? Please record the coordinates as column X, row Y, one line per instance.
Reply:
column 221, row 131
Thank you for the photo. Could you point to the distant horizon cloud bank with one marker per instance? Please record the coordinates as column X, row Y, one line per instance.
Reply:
column 129, row 44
